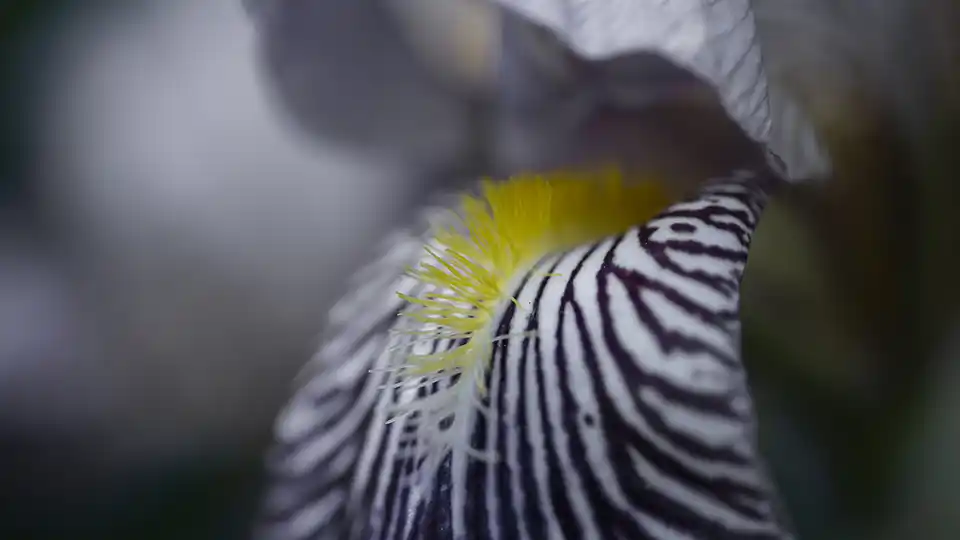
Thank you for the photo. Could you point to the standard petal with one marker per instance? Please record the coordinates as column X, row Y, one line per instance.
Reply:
column 343, row 72
column 716, row 39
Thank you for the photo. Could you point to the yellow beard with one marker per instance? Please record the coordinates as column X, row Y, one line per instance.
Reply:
column 505, row 231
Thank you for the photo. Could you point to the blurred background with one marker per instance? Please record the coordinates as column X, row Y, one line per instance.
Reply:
column 185, row 187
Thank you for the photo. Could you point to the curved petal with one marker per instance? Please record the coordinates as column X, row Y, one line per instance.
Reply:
column 716, row 39
column 626, row 414
column 340, row 70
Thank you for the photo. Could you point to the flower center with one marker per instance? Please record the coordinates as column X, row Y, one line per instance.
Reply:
column 469, row 275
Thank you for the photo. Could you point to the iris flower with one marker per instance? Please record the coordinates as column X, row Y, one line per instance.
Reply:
column 554, row 354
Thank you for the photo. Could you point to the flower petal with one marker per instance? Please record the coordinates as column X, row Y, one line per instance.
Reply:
column 619, row 408
column 341, row 71
column 716, row 39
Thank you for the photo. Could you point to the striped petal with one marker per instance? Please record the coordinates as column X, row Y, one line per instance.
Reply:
column 618, row 409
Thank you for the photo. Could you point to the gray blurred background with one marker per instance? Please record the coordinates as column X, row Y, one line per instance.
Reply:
column 168, row 246
column 185, row 186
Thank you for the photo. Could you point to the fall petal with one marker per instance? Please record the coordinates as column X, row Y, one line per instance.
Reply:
column 621, row 409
